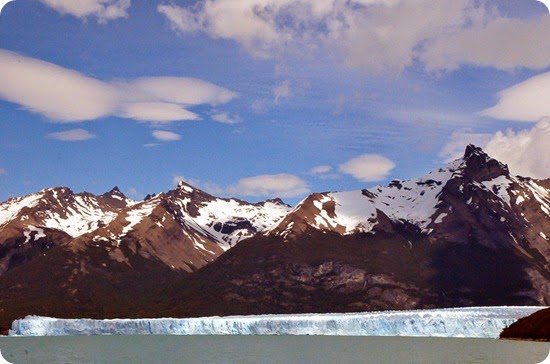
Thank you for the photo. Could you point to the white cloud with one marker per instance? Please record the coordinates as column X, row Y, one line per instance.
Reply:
column 320, row 169
column 323, row 172
column 177, row 90
column 133, row 192
column 248, row 22
column 283, row 91
column 368, row 167
column 64, row 95
column 388, row 36
column 502, row 43
column 526, row 101
column 273, row 185
column 212, row 188
column 166, row 136
column 104, row 10
column 458, row 141
column 74, row 135
column 157, row 112
column 53, row 91
column 226, row 118
column 526, row 152
column 177, row 179
column 376, row 35
column 182, row 20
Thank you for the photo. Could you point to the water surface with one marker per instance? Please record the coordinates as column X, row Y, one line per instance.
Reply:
column 267, row 349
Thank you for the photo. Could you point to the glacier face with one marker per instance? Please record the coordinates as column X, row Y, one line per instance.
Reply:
column 473, row 322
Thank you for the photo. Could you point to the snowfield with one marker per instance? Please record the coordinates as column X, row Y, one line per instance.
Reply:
column 473, row 322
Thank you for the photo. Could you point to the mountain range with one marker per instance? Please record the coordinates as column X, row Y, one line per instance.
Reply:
column 469, row 233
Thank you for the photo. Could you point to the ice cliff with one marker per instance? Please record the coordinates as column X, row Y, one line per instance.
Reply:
column 475, row 322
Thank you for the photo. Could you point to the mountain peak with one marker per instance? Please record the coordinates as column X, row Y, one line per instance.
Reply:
column 479, row 166
column 115, row 190
column 184, row 186
column 472, row 150
column 59, row 190
column 276, row 201
column 116, row 194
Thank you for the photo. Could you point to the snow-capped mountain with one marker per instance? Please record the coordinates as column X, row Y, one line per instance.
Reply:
column 97, row 256
column 61, row 209
column 472, row 198
column 468, row 234
column 185, row 228
column 445, row 203
column 34, row 223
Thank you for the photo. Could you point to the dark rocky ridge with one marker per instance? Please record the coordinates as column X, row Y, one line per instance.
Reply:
column 533, row 327
column 327, row 272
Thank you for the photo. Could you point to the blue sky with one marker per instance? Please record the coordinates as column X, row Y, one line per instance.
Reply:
column 263, row 98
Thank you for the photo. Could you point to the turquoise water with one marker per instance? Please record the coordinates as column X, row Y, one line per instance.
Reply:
column 267, row 349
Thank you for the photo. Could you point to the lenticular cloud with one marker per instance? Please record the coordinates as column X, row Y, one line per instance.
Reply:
column 525, row 101
column 368, row 167
column 65, row 95
column 104, row 10
column 281, row 185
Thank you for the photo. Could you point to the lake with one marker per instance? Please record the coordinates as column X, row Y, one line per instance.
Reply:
column 267, row 349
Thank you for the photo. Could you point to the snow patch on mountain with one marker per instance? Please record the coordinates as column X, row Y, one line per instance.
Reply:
column 80, row 219
column 135, row 215
column 228, row 221
column 12, row 207
column 414, row 201
column 352, row 212
column 541, row 195
column 499, row 186
column 28, row 234
column 420, row 202
column 60, row 209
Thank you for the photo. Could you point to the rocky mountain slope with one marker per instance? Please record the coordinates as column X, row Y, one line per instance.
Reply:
column 533, row 327
column 467, row 234
column 473, row 201
column 63, row 252
column 32, row 224
column 184, row 228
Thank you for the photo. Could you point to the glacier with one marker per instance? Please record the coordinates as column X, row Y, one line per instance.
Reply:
column 471, row 322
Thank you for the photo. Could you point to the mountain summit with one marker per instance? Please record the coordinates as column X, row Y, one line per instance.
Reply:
column 469, row 233
column 185, row 228
column 419, row 205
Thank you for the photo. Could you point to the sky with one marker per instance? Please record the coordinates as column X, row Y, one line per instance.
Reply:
column 259, row 99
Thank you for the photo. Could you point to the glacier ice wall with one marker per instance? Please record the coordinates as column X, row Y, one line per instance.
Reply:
column 474, row 322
